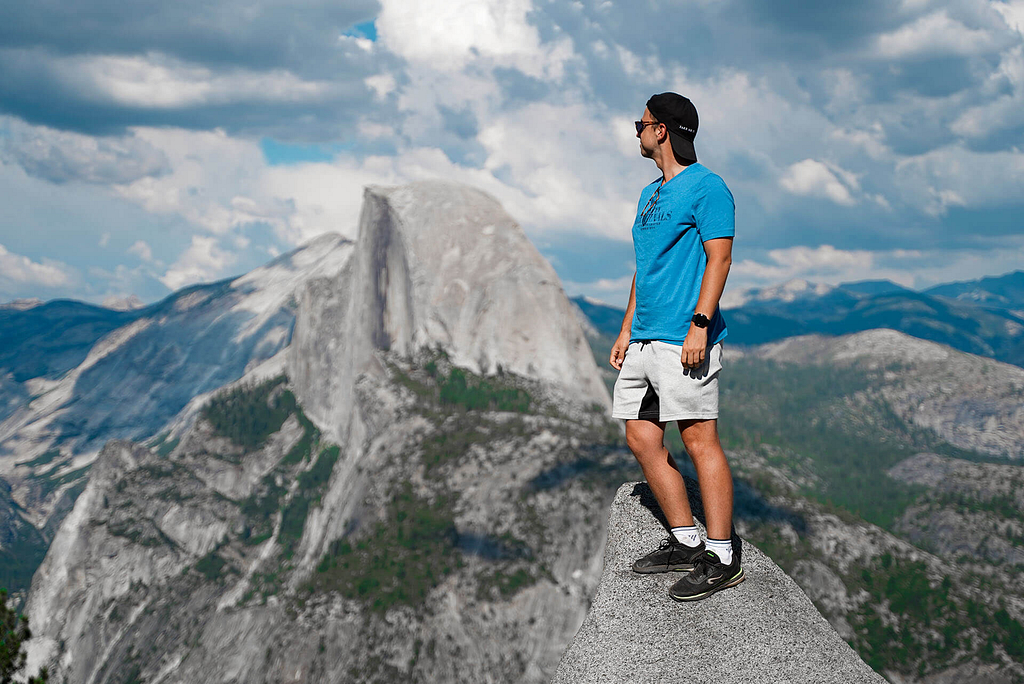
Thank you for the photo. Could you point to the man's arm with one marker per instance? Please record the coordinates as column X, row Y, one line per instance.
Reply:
column 622, row 343
column 719, row 253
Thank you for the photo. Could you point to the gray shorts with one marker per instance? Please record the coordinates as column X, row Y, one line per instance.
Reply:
column 654, row 385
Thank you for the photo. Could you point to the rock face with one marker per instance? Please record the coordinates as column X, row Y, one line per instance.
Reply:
column 763, row 630
column 969, row 511
column 135, row 380
column 437, row 387
column 438, row 266
column 969, row 401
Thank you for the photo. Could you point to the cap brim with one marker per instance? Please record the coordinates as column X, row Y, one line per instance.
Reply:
column 682, row 147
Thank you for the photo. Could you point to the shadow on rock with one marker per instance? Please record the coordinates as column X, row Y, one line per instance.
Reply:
column 747, row 504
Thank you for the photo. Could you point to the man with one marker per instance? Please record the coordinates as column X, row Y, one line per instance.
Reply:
column 669, row 351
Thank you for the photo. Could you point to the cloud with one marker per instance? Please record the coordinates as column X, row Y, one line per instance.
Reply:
column 61, row 157
column 955, row 176
column 1012, row 12
column 203, row 261
column 141, row 250
column 157, row 81
column 867, row 126
column 934, row 34
column 813, row 178
column 1003, row 112
column 19, row 270
column 804, row 261
column 449, row 34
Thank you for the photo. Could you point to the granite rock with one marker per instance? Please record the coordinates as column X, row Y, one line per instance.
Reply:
column 763, row 630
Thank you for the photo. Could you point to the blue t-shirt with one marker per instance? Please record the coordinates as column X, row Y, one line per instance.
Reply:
column 668, row 237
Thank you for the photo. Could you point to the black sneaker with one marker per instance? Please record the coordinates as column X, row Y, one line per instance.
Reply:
column 708, row 576
column 668, row 557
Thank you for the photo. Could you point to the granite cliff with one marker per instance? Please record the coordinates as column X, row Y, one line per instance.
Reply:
column 403, row 490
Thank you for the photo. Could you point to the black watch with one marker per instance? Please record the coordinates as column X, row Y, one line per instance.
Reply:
column 700, row 320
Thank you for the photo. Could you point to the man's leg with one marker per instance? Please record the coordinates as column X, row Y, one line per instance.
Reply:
column 646, row 439
column 720, row 568
column 700, row 437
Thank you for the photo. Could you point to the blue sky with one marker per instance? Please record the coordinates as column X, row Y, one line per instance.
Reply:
column 182, row 142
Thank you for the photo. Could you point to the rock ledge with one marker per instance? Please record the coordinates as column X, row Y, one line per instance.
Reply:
column 764, row 630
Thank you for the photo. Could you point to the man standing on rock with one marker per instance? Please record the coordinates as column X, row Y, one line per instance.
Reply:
column 669, row 351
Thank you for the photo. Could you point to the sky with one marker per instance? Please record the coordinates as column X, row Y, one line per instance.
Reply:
column 147, row 146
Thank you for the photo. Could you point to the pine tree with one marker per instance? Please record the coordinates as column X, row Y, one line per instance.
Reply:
column 14, row 632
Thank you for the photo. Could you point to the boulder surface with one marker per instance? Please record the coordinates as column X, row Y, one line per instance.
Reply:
column 764, row 630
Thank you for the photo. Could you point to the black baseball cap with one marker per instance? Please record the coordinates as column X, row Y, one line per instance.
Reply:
column 680, row 118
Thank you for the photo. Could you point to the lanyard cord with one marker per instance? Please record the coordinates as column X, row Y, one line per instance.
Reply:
column 652, row 203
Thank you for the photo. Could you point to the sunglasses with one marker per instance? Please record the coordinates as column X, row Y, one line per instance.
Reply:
column 641, row 125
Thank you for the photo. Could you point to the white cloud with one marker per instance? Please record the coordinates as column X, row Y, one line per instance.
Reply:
column 141, row 250
column 871, row 140
column 215, row 182
column 934, row 34
column 20, row 270
column 805, row 262
column 1013, row 13
column 157, row 81
column 203, row 261
column 813, row 178
column 449, row 34
column 61, row 156
column 957, row 176
column 1005, row 110
column 381, row 84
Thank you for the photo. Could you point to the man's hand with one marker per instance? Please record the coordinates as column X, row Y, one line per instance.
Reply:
column 694, row 347
column 619, row 351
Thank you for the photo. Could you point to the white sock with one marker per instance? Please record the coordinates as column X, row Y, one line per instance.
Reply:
column 722, row 549
column 687, row 535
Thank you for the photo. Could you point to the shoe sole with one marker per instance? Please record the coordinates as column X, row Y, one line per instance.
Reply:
column 662, row 569
column 736, row 579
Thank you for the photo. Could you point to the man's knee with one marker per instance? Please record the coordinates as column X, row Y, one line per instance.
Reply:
column 699, row 437
column 644, row 443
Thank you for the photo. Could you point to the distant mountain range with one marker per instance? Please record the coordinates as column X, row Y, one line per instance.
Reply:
column 984, row 317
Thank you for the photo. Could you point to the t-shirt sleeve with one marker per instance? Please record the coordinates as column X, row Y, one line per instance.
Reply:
column 715, row 211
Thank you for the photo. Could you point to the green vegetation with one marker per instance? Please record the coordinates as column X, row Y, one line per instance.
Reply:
column 304, row 447
column 311, row 486
column 249, row 414
column 449, row 387
column 807, row 414
column 14, row 632
column 165, row 448
column 475, row 393
column 503, row 583
column 21, row 555
column 258, row 510
column 41, row 460
column 50, row 482
column 163, row 445
column 402, row 558
column 212, row 565
column 930, row 627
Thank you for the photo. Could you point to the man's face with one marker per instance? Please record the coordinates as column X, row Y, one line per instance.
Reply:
column 648, row 136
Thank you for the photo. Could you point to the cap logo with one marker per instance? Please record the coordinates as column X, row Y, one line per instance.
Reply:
column 688, row 130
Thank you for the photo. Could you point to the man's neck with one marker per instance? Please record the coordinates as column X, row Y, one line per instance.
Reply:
column 669, row 166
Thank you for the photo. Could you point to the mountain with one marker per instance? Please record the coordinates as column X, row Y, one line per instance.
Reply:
column 1000, row 292
column 390, row 459
column 411, row 486
column 796, row 308
column 78, row 376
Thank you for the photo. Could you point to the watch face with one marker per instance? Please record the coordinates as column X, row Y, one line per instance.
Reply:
column 700, row 320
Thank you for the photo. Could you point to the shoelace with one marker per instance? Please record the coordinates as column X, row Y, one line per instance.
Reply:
column 701, row 568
